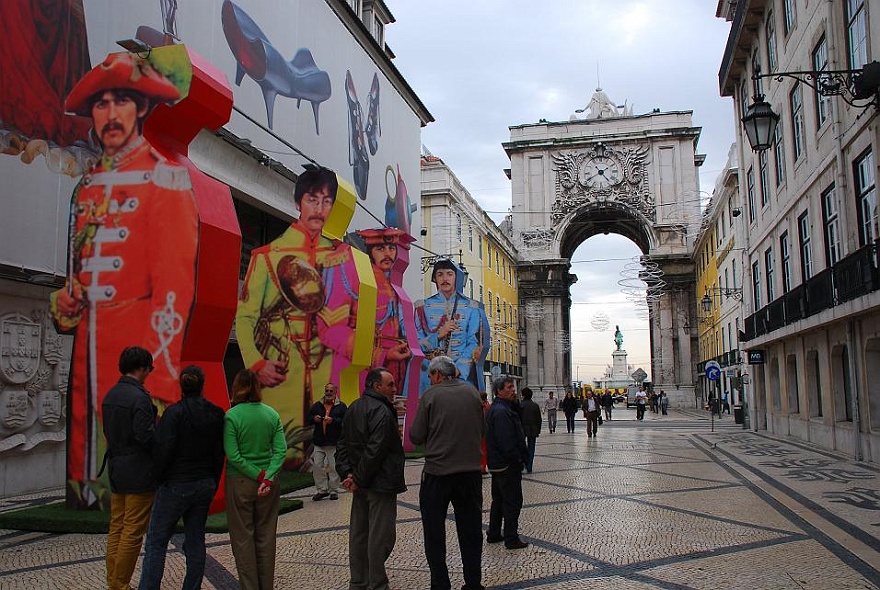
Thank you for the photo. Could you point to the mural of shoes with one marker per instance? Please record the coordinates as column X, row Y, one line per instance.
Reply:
column 299, row 78
column 374, row 126
column 357, row 150
column 398, row 207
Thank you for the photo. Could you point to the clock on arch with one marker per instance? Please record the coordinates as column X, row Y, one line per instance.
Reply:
column 600, row 171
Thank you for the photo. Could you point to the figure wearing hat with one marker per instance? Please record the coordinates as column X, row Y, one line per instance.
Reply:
column 450, row 324
column 293, row 302
column 133, row 237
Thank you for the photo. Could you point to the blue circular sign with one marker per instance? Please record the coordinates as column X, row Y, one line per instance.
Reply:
column 713, row 371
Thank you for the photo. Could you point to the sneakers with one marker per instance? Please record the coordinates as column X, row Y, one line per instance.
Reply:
column 518, row 544
column 321, row 495
column 334, row 496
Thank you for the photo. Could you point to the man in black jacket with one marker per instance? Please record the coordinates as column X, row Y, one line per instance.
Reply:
column 531, row 422
column 327, row 416
column 507, row 452
column 129, row 427
column 369, row 459
column 189, row 460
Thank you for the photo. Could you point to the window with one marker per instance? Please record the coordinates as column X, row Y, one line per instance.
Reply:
column 804, row 236
column 856, row 34
column 471, row 288
column 820, row 62
column 504, row 271
column 379, row 31
column 779, row 154
column 768, row 271
column 770, row 30
column 489, row 303
column 498, row 307
column 481, row 293
column 756, row 284
column 489, row 254
column 480, row 245
column 866, row 196
column 765, row 182
column 496, row 262
column 788, row 15
column 743, row 98
column 832, row 226
column 756, row 68
column 785, row 254
column 726, row 281
column 458, row 230
column 750, row 178
column 797, row 120
column 470, row 238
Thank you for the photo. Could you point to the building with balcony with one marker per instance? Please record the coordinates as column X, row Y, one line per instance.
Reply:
column 811, row 300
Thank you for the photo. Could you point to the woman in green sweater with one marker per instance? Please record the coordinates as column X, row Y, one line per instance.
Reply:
column 254, row 442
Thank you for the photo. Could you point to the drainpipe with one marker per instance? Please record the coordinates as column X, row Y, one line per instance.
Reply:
column 856, row 389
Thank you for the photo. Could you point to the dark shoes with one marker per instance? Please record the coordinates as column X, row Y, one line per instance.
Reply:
column 491, row 539
column 518, row 544
column 334, row 496
column 321, row 495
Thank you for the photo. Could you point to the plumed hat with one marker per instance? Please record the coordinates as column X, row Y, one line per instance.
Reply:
column 386, row 235
column 120, row 70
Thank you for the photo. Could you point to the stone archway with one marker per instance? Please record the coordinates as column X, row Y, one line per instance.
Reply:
column 631, row 175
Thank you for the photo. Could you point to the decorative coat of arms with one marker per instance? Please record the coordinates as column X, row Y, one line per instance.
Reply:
column 602, row 174
column 20, row 347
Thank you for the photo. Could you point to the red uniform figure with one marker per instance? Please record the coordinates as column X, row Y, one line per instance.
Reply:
column 133, row 239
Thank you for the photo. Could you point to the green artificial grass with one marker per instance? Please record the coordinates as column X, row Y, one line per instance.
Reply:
column 55, row 518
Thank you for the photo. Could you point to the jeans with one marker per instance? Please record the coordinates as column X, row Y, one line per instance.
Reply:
column 551, row 420
column 640, row 411
column 507, row 501
column 187, row 499
column 465, row 492
column 531, row 441
column 569, row 422
column 129, row 517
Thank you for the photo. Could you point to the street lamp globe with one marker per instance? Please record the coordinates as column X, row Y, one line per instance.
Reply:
column 760, row 124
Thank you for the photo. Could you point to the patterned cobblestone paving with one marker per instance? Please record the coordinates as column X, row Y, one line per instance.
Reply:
column 666, row 503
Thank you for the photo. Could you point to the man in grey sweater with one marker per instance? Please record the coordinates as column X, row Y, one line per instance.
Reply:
column 450, row 424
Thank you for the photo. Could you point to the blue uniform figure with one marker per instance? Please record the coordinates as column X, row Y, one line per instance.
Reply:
column 452, row 325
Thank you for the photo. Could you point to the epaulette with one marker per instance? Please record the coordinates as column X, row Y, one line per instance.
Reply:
column 337, row 257
column 171, row 176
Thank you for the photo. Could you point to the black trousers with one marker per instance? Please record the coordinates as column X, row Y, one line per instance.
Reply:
column 507, row 501
column 465, row 492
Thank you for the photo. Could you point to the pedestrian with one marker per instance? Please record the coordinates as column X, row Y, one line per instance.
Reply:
column 506, row 445
column 655, row 402
column 189, row 460
column 725, row 405
column 484, row 402
column 607, row 403
column 450, row 424
column 591, row 412
column 327, row 416
column 551, row 405
column 129, row 428
column 531, row 421
column 664, row 402
column 369, row 459
column 255, row 446
column 569, row 408
column 641, row 402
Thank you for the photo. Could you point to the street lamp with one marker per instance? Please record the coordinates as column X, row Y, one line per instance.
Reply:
column 851, row 85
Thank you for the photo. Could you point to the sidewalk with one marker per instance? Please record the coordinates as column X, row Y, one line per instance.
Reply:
column 663, row 503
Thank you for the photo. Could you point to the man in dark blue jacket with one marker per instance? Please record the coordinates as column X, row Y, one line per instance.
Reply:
column 326, row 416
column 369, row 459
column 506, row 453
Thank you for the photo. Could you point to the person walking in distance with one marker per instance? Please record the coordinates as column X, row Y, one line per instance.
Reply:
column 255, row 446
column 370, row 460
column 551, row 405
column 664, row 402
column 130, row 428
column 189, row 460
column 506, row 446
column 531, row 421
column 450, row 424
column 641, row 403
column 327, row 416
column 569, row 408
column 591, row 411
column 607, row 403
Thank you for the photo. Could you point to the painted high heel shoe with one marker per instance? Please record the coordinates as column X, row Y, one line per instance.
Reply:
column 357, row 151
column 299, row 78
column 374, row 126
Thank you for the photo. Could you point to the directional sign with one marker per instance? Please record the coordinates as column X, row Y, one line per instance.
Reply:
column 713, row 371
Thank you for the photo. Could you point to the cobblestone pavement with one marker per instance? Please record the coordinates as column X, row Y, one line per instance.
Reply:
column 665, row 503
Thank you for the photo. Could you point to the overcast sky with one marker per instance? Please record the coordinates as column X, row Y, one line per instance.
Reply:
column 482, row 66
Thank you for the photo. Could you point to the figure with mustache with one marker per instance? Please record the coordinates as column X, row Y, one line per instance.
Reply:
column 133, row 238
column 294, row 312
column 450, row 324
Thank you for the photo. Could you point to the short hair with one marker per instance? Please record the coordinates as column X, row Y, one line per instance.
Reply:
column 442, row 365
column 133, row 358
column 246, row 388
column 500, row 383
column 142, row 103
column 526, row 393
column 314, row 179
column 443, row 264
column 192, row 381
column 374, row 377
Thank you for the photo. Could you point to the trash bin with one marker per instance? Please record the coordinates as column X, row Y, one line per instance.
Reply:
column 739, row 416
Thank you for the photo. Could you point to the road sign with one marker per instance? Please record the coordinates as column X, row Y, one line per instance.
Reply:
column 713, row 371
